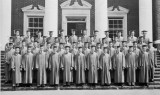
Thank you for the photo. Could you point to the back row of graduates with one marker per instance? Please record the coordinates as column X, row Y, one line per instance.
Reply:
column 80, row 59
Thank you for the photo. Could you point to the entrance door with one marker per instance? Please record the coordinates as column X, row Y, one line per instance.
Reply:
column 79, row 27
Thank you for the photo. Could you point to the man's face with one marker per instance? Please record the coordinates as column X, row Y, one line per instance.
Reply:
column 17, row 50
column 107, row 34
column 39, row 33
column 131, row 49
column 32, row 39
column 118, row 49
column 17, row 33
column 95, row 33
column 144, row 48
column 80, row 50
column 132, row 33
column 28, row 33
column 74, row 45
column 41, row 48
column 105, row 50
column 28, row 50
column 110, row 44
column 35, row 44
column 10, row 40
column 129, row 38
column 124, row 44
column 48, row 46
column 116, row 39
column 55, row 49
column 23, row 43
column 98, row 46
column 135, row 44
column 66, row 38
column 144, row 34
column 150, row 45
column 61, row 33
column 50, row 33
column 86, row 45
column 79, row 39
column 119, row 33
column 84, row 32
column 92, row 49
column 73, row 32
column 61, row 46
column 92, row 38
column 67, row 49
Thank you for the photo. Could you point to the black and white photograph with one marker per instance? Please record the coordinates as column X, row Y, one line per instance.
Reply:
column 80, row 47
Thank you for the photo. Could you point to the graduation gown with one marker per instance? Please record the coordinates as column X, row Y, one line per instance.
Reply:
column 17, row 41
column 73, row 39
column 85, row 39
column 105, row 66
column 92, row 66
column 39, row 39
column 23, row 50
column 119, row 65
column 80, row 66
column 124, row 50
column 41, row 66
column 54, row 65
column 99, row 52
column 27, row 65
column 8, row 56
column 27, row 40
column 62, row 40
column 97, row 40
column 16, row 68
column 106, row 40
column 51, row 40
column 67, row 65
column 131, row 67
column 144, row 67
column 133, row 39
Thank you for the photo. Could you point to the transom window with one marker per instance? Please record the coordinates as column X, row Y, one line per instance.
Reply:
column 35, row 24
column 115, row 25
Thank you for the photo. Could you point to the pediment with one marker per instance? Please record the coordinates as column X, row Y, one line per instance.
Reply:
column 76, row 5
column 118, row 9
column 33, row 8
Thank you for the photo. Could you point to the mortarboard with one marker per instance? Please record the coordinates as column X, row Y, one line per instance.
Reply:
column 144, row 31
column 96, row 31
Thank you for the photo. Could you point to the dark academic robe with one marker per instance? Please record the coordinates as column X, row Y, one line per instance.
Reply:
column 27, row 40
column 73, row 39
column 92, row 66
column 17, row 41
column 106, row 40
column 99, row 52
column 85, row 39
column 34, row 51
column 97, row 40
column 27, row 65
column 8, row 56
column 131, row 67
column 51, row 40
column 80, row 66
column 54, row 65
column 67, row 65
column 124, row 50
column 105, row 66
column 153, row 61
column 41, row 66
column 23, row 50
column 16, row 66
column 144, row 67
column 62, row 40
column 119, row 65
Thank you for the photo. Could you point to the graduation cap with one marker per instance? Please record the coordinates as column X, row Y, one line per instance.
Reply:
column 93, row 45
column 61, row 43
column 17, row 47
column 119, row 31
column 105, row 46
column 61, row 30
column 144, row 45
column 106, row 31
column 74, row 42
column 10, row 37
column 91, row 36
column 124, row 41
column 29, row 46
column 73, row 30
column 144, row 31
column 44, row 36
column 96, row 31
column 98, row 43
column 86, row 42
column 50, row 31
column 66, row 36
column 134, row 42
column 41, row 45
column 10, row 44
column 56, row 38
column 110, row 42
column 55, row 45
column 79, row 46
column 67, row 45
column 24, row 40
column 150, row 42
column 49, row 43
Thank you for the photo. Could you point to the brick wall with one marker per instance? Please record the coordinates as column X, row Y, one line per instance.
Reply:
column 17, row 14
column 132, row 5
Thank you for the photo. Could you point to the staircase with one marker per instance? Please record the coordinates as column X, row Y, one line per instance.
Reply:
column 157, row 69
column 2, row 68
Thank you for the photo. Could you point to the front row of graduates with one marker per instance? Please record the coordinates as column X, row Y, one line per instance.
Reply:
column 89, row 65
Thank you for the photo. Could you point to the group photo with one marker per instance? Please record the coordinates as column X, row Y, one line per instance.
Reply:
column 80, row 45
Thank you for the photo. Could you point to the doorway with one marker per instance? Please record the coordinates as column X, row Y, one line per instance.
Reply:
column 79, row 27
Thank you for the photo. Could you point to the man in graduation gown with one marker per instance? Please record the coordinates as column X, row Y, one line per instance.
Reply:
column 131, row 66
column 132, row 35
column 111, row 52
column 27, row 65
column 62, row 37
column 50, row 39
column 105, row 66
column 73, row 37
column 124, row 48
column 27, row 39
column 153, row 61
column 92, row 66
column 145, row 39
column 120, row 38
column 41, row 67
column 116, row 42
column 106, row 39
column 144, row 66
column 80, row 66
column 67, row 66
column 54, row 65
column 119, row 66
column 23, row 48
column 16, row 67
column 137, row 51
column 85, row 38
column 17, row 39
column 8, row 55
column 7, row 47
column 96, row 38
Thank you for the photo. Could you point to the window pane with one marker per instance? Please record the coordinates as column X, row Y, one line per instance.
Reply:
column 30, row 24
column 115, row 21
column 110, row 21
column 30, row 19
column 35, row 19
column 35, row 24
column 119, row 21
column 40, row 20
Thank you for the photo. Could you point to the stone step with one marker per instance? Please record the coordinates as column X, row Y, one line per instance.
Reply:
column 157, row 79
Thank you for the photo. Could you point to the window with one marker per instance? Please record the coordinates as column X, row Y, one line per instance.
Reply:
column 35, row 24
column 115, row 24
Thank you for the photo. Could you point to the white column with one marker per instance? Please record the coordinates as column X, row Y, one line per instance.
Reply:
column 51, row 17
column 5, row 25
column 145, row 17
column 101, row 16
